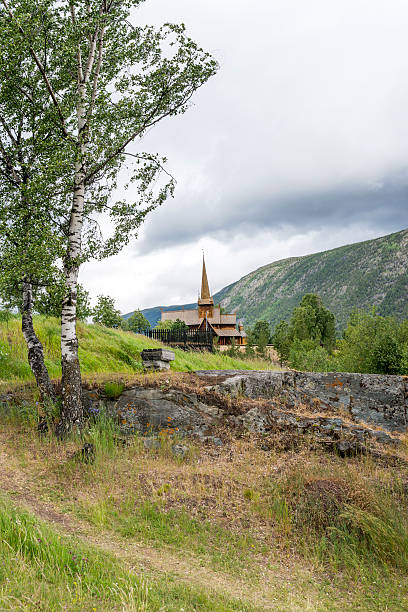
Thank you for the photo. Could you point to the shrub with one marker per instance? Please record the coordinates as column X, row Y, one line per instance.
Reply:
column 233, row 351
column 113, row 390
column 137, row 323
column 306, row 356
column 312, row 324
column 282, row 341
column 387, row 355
column 105, row 312
column 372, row 344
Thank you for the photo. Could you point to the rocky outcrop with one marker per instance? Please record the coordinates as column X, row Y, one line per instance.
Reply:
column 149, row 411
column 371, row 398
column 335, row 432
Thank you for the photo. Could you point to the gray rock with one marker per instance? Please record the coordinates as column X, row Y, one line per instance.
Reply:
column 152, row 410
column 179, row 450
column 382, row 437
column 371, row 398
column 253, row 420
column 347, row 448
column 212, row 440
column 212, row 411
column 324, row 429
column 155, row 410
column 151, row 443
column 216, row 441
column 157, row 355
column 156, row 366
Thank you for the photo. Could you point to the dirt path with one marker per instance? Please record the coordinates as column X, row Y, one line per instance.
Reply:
column 264, row 594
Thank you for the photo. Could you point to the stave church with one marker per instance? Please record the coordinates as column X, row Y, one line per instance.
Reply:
column 207, row 316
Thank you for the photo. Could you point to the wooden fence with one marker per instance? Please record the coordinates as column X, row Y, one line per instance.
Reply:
column 185, row 339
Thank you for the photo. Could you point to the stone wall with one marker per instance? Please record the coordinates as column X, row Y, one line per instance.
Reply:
column 372, row 398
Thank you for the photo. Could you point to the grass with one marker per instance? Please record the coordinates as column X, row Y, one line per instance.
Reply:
column 345, row 520
column 113, row 390
column 151, row 521
column 41, row 570
column 148, row 521
column 304, row 530
column 101, row 350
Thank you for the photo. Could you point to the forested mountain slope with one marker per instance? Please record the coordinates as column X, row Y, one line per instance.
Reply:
column 359, row 275
column 374, row 272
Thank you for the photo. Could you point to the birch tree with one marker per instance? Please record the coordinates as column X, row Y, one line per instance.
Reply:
column 28, row 246
column 107, row 82
column 18, row 278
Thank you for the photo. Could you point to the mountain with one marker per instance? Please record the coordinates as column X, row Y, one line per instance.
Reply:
column 361, row 275
column 153, row 314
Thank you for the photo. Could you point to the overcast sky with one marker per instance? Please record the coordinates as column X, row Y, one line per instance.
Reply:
column 299, row 144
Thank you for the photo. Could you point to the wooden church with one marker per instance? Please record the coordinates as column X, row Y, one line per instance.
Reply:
column 209, row 317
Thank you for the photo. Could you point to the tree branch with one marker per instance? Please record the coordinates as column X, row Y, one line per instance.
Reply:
column 26, row 94
column 128, row 140
column 93, row 42
column 152, row 159
column 97, row 72
column 8, row 130
column 9, row 165
column 79, row 54
column 7, row 176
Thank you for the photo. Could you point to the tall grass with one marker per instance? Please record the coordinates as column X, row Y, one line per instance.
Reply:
column 102, row 432
column 342, row 518
column 100, row 350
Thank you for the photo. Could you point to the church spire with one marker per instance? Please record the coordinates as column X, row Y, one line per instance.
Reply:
column 205, row 290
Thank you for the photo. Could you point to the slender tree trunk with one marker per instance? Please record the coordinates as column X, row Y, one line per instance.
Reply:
column 72, row 409
column 35, row 348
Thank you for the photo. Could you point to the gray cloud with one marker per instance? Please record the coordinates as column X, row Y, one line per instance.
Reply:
column 382, row 207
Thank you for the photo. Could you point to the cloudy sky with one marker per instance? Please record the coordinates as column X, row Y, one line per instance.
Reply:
column 299, row 144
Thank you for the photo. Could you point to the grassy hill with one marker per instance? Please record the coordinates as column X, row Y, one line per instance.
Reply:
column 361, row 275
column 101, row 350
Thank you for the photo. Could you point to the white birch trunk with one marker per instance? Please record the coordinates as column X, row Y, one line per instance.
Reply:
column 72, row 408
column 34, row 347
